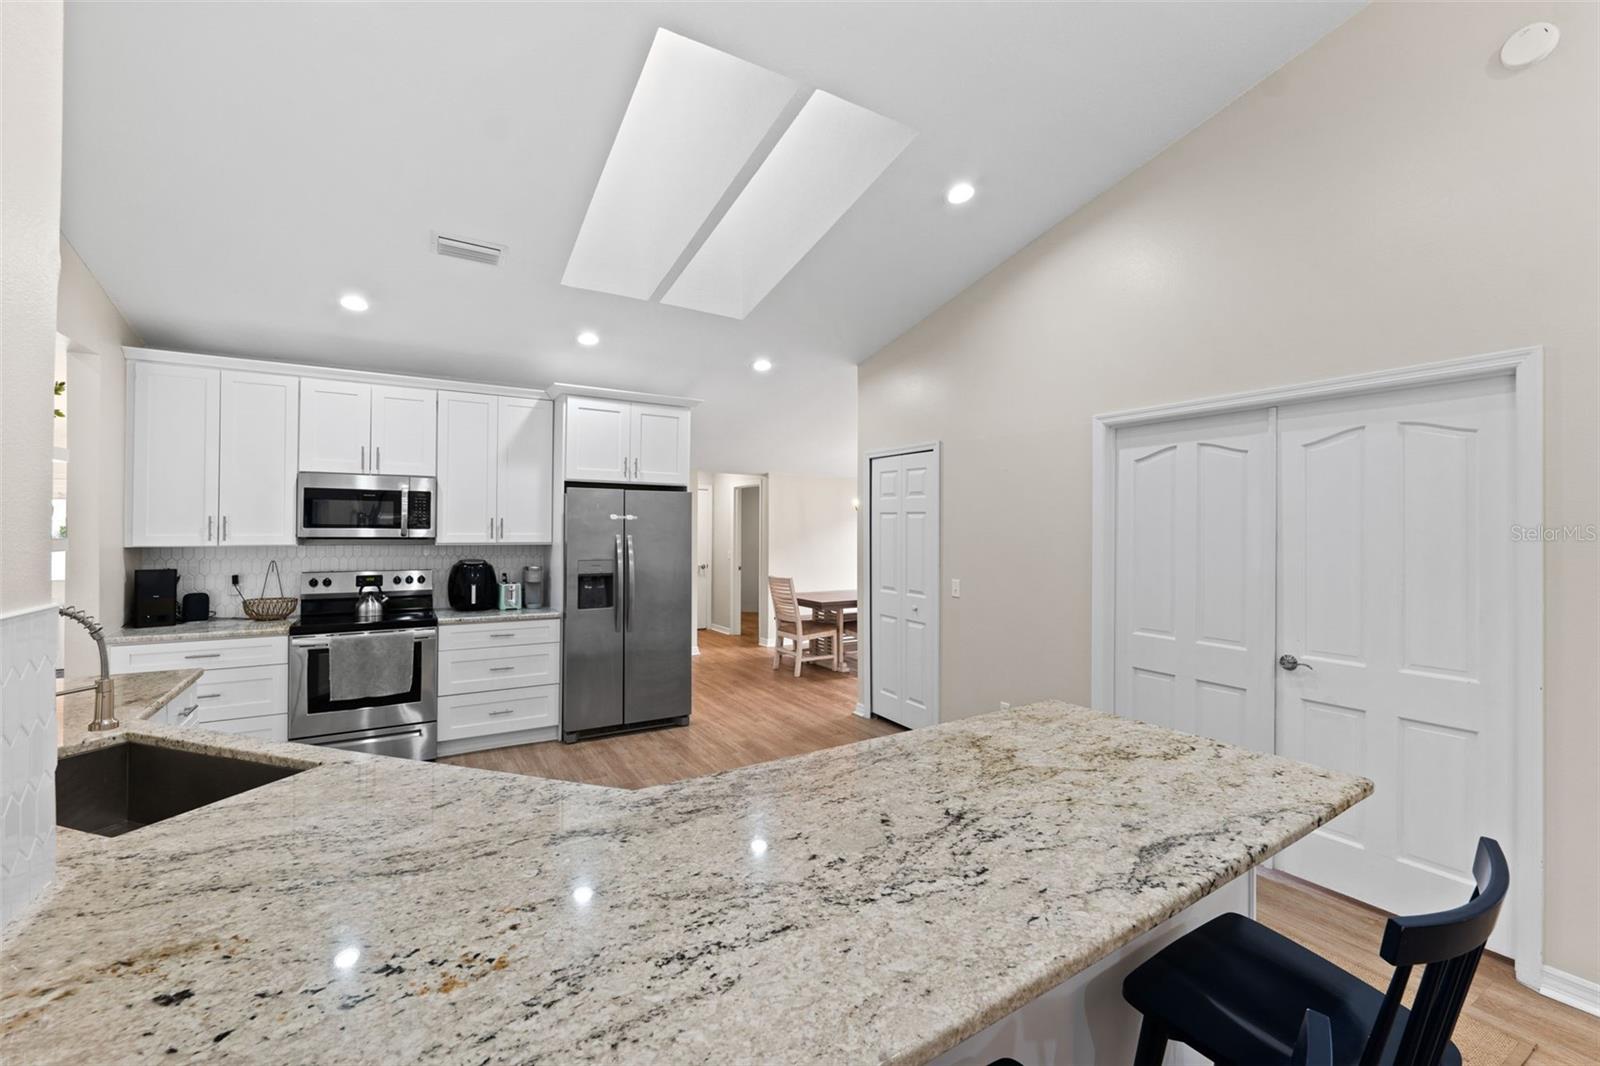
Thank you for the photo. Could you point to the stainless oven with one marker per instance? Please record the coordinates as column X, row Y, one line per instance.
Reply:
column 359, row 506
column 404, row 724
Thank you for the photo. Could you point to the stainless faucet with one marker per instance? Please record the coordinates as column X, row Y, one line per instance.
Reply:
column 105, row 700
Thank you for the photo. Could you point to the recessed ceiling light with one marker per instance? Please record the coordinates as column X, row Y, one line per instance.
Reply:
column 960, row 193
column 761, row 365
column 588, row 338
column 353, row 301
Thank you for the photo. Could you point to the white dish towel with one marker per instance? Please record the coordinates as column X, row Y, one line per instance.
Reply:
column 365, row 666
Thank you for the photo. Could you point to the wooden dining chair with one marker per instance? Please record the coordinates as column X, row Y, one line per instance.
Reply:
column 1235, row 991
column 802, row 632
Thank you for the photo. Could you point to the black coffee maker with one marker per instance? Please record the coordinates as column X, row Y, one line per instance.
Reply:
column 472, row 586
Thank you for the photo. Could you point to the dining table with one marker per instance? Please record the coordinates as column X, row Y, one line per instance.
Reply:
column 831, row 604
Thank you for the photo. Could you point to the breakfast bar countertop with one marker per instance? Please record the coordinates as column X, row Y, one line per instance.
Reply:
column 211, row 629
column 138, row 697
column 877, row 902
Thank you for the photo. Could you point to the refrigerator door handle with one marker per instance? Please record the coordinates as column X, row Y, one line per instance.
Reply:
column 616, row 600
column 631, row 582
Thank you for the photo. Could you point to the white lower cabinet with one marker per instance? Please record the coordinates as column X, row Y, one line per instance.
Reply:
column 244, row 690
column 498, row 684
column 481, row 714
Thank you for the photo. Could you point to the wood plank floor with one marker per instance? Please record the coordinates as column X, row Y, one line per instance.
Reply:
column 1506, row 1019
column 744, row 712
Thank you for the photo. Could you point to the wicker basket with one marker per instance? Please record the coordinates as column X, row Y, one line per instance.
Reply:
column 266, row 608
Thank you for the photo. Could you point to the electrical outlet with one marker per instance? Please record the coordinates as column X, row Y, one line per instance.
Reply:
column 1004, row 706
column 235, row 579
column 955, row 587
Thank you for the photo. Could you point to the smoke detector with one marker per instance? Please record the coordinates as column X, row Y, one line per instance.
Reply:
column 1530, row 44
column 462, row 248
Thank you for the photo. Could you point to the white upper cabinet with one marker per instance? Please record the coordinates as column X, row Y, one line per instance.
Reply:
column 660, row 444
column 403, row 431
column 170, row 480
column 524, row 470
column 259, row 439
column 347, row 427
column 468, row 444
column 597, row 444
column 335, row 426
column 639, row 443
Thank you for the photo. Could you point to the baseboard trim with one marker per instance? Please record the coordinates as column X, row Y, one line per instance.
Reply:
column 861, row 711
column 724, row 630
column 1571, row 989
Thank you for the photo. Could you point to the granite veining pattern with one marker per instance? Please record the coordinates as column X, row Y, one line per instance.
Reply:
column 876, row 902
column 213, row 629
column 449, row 616
column 138, row 697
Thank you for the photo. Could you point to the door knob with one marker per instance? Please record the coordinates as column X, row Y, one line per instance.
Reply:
column 1289, row 662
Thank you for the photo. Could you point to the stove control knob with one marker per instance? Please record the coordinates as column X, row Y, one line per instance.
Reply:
column 421, row 579
column 327, row 582
column 312, row 582
column 410, row 579
column 397, row 579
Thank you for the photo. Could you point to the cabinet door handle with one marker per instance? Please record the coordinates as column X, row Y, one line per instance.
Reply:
column 205, row 655
column 209, row 696
column 636, row 468
column 501, row 636
column 491, row 527
column 209, row 521
column 363, row 457
column 502, row 712
column 502, row 529
column 224, row 527
column 377, row 457
column 500, row 669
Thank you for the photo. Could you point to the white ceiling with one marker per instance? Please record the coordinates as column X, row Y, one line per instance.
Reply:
column 232, row 168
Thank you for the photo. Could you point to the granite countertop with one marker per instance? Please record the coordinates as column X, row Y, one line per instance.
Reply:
column 138, row 697
column 214, row 629
column 877, row 902
column 448, row 616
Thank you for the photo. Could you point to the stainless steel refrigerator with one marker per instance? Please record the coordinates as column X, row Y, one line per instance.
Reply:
column 627, row 615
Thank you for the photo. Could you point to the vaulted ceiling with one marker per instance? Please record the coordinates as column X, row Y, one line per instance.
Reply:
column 231, row 169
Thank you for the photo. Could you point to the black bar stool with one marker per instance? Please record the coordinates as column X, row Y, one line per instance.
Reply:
column 1235, row 991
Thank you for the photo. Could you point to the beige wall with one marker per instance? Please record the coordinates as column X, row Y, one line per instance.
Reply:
column 97, row 389
column 30, row 202
column 1390, row 197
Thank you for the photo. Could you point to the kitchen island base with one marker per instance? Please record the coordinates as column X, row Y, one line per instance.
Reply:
column 1084, row 1019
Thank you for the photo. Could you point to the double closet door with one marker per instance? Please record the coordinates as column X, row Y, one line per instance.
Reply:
column 1331, row 581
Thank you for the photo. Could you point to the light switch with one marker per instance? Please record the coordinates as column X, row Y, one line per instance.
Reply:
column 955, row 587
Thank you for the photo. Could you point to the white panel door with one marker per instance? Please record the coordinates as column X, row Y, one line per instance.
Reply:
column 171, row 473
column 596, row 440
column 659, row 442
column 335, row 426
column 1395, row 595
column 1194, row 557
column 258, row 458
column 404, row 431
column 468, row 448
column 903, row 647
column 524, row 469
column 702, row 557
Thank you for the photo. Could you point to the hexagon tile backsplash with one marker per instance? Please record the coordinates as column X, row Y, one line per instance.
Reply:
column 28, row 651
column 210, row 570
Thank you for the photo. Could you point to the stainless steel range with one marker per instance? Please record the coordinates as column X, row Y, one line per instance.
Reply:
column 384, row 702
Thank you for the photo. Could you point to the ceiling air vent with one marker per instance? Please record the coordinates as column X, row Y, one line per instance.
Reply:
column 460, row 248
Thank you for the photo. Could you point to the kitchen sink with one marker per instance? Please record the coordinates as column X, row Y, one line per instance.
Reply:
column 122, row 787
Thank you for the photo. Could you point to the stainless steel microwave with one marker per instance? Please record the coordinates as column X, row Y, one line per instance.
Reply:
column 361, row 506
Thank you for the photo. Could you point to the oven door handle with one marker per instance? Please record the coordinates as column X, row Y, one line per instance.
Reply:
column 308, row 643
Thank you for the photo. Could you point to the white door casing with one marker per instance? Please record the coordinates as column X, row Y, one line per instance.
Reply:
column 524, row 468
column 403, row 431
column 258, row 458
column 170, row 473
column 1394, row 591
column 335, row 426
column 1196, row 510
column 468, row 444
column 903, row 599
column 703, row 531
